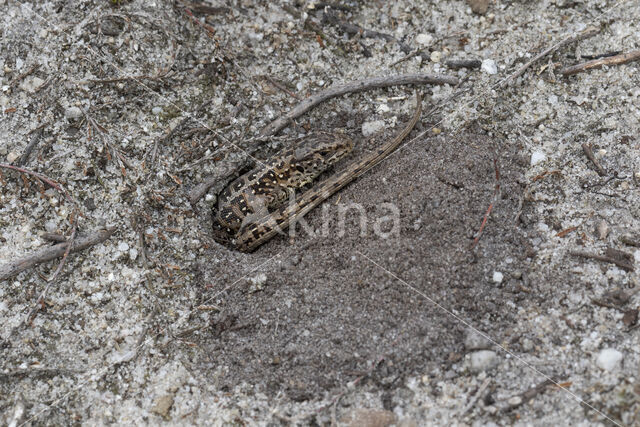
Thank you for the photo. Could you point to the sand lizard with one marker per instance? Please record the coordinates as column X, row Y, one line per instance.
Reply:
column 252, row 195
column 262, row 228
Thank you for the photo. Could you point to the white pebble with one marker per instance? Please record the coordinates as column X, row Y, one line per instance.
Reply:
column 156, row 110
column 424, row 39
column 258, row 279
column 497, row 277
column 537, row 157
column 73, row 113
column 383, row 108
column 602, row 229
column 483, row 360
column 370, row 128
column 609, row 359
column 489, row 66
column 123, row 246
column 12, row 156
column 436, row 56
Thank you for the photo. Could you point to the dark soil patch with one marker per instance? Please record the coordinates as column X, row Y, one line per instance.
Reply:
column 327, row 311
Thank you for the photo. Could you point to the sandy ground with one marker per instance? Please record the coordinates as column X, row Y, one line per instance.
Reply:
column 382, row 310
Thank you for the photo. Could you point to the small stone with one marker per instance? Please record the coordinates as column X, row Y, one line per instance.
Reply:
column 489, row 66
column 479, row 6
column 368, row 417
column 609, row 359
column 123, row 246
column 475, row 341
column 515, row 401
column 383, row 108
column 424, row 39
column 527, row 344
column 602, row 229
column 497, row 277
column 371, row 128
column 156, row 110
column 257, row 282
column 12, row 156
column 163, row 405
column 73, row 113
column 483, row 360
column 258, row 279
column 435, row 56
column 537, row 157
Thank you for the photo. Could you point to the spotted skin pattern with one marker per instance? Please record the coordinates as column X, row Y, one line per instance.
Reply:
column 266, row 225
column 269, row 185
column 260, row 232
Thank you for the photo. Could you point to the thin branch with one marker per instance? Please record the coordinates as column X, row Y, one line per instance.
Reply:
column 622, row 264
column 14, row 82
column 358, row 31
column 356, row 86
column 623, row 58
column 494, row 201
column 456, row 64
column 37, row 133
column 51, row 280
column 158, row 77
column 586, row 33
column 49, row 253
column 589, row 153
column 282, row 87
column 479, row 394
column 42, row 178
column 54, row 237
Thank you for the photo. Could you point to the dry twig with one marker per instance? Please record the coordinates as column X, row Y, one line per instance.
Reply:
column 496, row 196
column 12, row 268
column 356, row 86
column 623, row 58
column 627, row 266
column 631, row 240
column 37, row 133
column 456, row 64
column 49, row 253
column 589, row 153
column 586, row 33
column 479, row 394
